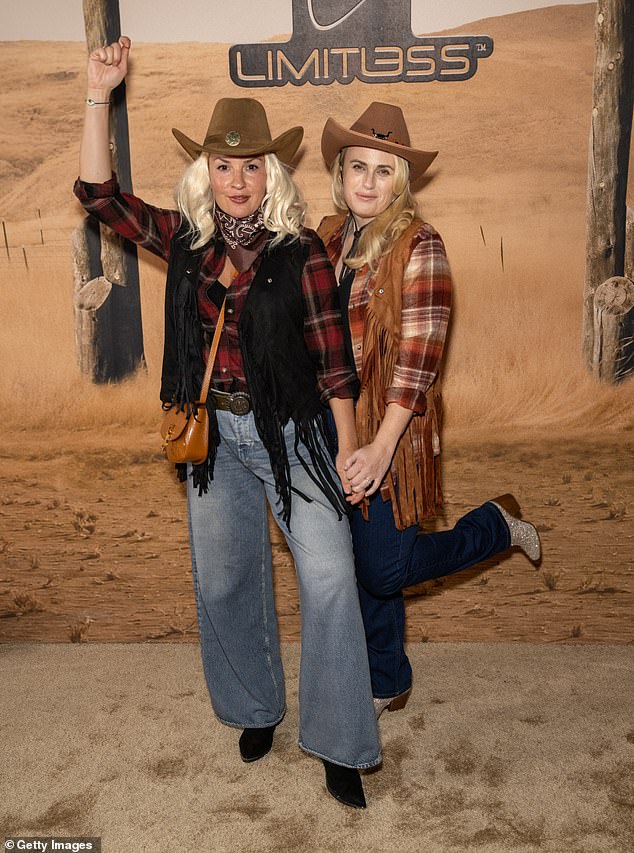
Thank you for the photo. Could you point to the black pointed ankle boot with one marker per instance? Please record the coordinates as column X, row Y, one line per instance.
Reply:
column 255, row 743
column 344, row 784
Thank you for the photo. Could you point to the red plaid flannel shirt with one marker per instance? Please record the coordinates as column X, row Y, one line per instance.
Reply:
column 154, row 227
column 426, row 302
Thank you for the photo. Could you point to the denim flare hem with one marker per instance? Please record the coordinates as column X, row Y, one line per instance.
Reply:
column 365, row 766
column 393, row 695
column 246, row 725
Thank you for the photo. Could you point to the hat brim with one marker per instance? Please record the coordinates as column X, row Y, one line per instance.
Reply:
column 284, row 146
column 335, row 137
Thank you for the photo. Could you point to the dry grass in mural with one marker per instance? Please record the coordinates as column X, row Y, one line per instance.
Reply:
column 180, row 624
column 597, row 585
column 551, row 579
column 78, row 632
column 514, row 352
column 26, row 602
column 496, row 389
column 94, row 554
column 84, row 522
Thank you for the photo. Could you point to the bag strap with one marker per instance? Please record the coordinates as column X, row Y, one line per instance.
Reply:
column 213, row 349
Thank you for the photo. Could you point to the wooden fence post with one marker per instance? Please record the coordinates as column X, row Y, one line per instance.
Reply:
column 626, row 361
column 628, row 264
column 613, row 304
column 108, row 327
column 608, row 162
column 92, row 321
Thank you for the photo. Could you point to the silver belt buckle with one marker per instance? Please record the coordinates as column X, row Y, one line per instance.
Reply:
column 239, row 403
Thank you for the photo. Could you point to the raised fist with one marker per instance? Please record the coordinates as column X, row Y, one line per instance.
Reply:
column 107, row 66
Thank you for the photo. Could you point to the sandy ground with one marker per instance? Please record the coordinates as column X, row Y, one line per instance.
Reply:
column 502, row 748
column 93, row 543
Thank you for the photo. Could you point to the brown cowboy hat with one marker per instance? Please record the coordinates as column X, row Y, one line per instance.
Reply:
column 382, row 126
column 239, row 128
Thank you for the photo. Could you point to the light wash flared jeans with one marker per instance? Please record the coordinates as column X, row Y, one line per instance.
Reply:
column 232, row 568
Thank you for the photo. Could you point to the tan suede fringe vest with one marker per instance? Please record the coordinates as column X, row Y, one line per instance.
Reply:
column 413, row 483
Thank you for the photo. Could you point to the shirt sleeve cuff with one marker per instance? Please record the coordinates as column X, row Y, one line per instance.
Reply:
column 348, row 390
column 415, row 401
column 86, row 191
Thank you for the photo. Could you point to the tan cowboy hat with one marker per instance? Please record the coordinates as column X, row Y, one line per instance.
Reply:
column 382, row 126
column 239, row 128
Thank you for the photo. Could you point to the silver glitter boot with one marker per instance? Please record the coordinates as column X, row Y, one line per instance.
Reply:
column 523, row 534
column 393, row 703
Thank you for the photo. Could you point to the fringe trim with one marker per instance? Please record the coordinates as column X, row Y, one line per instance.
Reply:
column 270, row 422
column 316, row 437
column 310, row 430
column 203, row 474
column 413, row 481
column 413, row 484
column 189, row 345
column 191, row 369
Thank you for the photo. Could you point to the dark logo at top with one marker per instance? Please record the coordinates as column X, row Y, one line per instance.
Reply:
column 367, row 40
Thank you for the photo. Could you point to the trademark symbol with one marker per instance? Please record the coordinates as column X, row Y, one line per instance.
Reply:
column 482, row 47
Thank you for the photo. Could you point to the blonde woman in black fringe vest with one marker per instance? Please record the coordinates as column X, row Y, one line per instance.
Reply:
column 237, row 237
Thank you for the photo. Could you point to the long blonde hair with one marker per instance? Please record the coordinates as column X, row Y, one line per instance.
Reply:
column 380, row 235
column 283, row 208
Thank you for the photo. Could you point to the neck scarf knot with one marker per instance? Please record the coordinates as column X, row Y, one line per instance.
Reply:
column 244, row 238
column 240, row 232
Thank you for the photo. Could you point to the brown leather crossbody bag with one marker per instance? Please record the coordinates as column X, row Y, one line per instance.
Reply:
column 186, row 435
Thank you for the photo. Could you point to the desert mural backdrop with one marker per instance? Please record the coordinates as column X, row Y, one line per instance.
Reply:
column 93, row 532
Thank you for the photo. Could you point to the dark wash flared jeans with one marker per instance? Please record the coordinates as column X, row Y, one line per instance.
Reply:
column 389, row 560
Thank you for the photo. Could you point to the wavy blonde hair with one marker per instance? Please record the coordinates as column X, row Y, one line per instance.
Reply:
column 380, row 235
column 283, row 208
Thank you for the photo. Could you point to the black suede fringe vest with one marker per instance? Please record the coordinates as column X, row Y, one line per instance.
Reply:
column 279, row 371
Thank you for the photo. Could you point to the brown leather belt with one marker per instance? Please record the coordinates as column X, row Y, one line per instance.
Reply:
column 238, row 403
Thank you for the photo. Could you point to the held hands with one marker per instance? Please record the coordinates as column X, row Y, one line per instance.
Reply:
column 365, row 470
column 342, row 457
column 108, row 65
column 366, row 467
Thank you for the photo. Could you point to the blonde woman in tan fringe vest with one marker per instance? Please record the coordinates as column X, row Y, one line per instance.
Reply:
column 395, row 294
